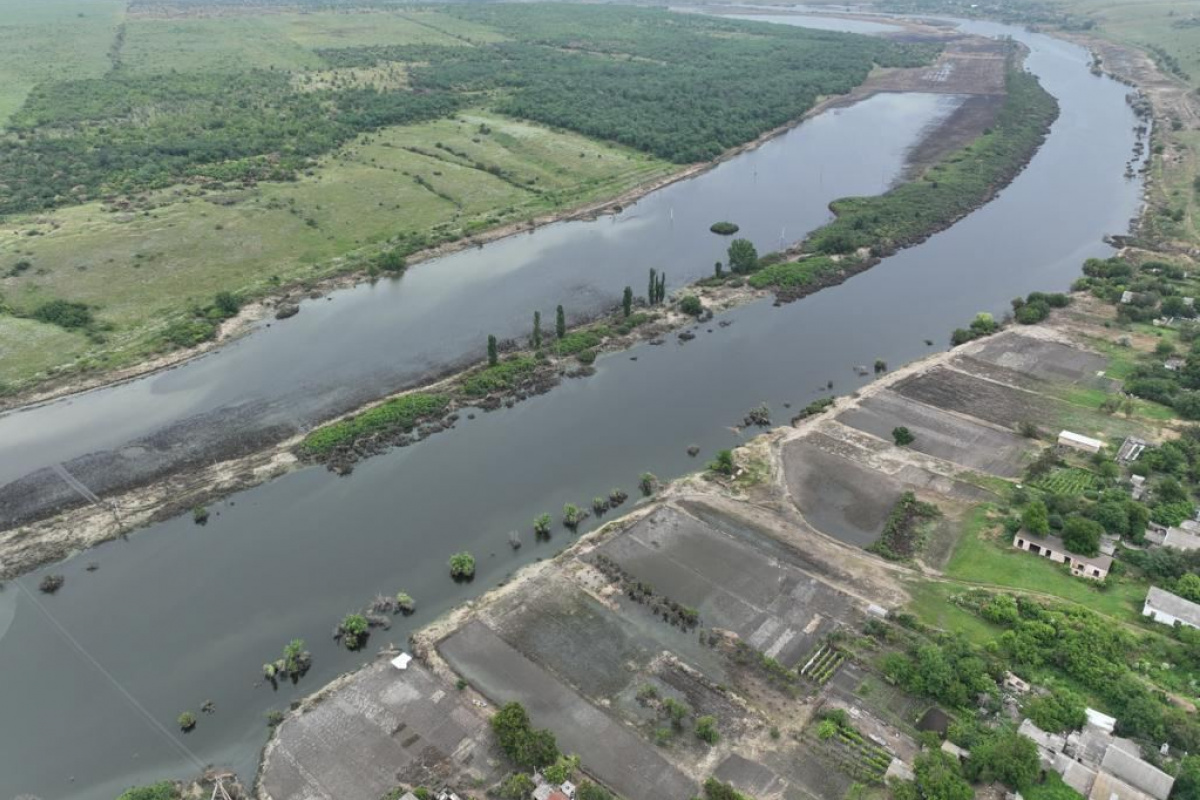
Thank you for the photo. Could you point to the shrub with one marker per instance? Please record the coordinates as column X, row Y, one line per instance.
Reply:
column 226, row 304
column 189, row 332
column 723, row 464
column 724, row 228
column 572, row 516
column 902, row 436
column 165, row 790
column 691, row 305
column 405, row 603
column 648, row 482
column 64, row 314
column 199, row 515
column 706, row 729
column 354, row 630
column 541, row 525
column 187, row 721
column 462, row 565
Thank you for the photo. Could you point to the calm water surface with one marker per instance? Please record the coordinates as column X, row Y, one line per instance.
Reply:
column 179, row 614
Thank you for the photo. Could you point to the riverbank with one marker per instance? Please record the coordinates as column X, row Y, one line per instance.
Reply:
column 356, row 266
column 800, row 506
column 791, row 275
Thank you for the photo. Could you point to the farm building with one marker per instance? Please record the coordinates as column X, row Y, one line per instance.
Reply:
column 1180, row 538
column 1051, row 547
column 1077, row 441
column 1169, row 609
column 1097, row 764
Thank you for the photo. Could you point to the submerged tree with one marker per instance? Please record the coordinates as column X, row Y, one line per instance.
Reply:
column 627, row 301
column 537, row 330
column 560, row 322
column 493, row 352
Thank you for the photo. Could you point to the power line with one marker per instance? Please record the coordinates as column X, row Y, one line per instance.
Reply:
column 150, row 719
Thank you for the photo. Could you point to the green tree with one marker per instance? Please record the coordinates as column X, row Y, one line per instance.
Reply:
column 462, row 565
column 652, row 289
column 1059, row 711
column 560, row 322
column 525, row 746
column 1082, row 536
column 1188, row 587
column 1187, row 780
column 541, row 525
column 902, row 436
column 165, row 790
column 572, row 516
column 537, row 330
column 938, row 776
column 1036, row 518
column 661, row 293
column 1005, row 756
column 743, row 258
column 627, row 301
column 493, row 353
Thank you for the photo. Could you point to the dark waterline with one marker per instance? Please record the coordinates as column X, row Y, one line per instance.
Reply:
column 181, row 614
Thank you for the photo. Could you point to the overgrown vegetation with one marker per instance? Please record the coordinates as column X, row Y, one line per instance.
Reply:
column 528, row 747
column 683, row 87
column 951, row 188
column 904, row 531
column 401, row 413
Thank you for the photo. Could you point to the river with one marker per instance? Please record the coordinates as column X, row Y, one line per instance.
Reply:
column 179, row 613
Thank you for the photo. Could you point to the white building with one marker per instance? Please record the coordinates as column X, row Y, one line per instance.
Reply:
column 1077, row 441
column 1169, row 609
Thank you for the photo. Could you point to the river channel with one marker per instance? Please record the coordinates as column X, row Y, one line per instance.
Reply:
column 179, row 613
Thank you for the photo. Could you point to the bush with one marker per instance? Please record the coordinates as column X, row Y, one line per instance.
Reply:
column 64, row 314
column 690, row 304
column 354, row 631
column 723, row 464
column 706, row 729
column 226, row 304
column 902, row 436
column 405, row 603
column 189, row 332
column 724, row 228
column 462, row 566
column 187, row 721
column 166, row 790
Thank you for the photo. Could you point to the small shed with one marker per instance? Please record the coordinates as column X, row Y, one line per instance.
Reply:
column 401, row 661
column 1077, row 441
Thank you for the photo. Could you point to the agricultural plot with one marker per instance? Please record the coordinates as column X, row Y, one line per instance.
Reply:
column 821, row 667
column 951, row 437
column 1051, row 361
column 849, row 752
column 1071, row 481
column 961, row 393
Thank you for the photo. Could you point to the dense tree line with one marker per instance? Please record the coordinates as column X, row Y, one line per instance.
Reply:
column 683, row 87
column 75, row 140
column 951, row 188
column 678, row 86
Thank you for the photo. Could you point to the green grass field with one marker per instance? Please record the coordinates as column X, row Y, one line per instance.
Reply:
column 984, row 555
column 48, row 40
column 143, row 270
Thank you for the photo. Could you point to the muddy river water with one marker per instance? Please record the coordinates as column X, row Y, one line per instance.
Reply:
column 92, row 679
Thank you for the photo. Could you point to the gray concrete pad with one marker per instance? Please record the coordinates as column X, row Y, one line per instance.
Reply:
column 614, row 753
column 384, row 728
column 770, row 603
